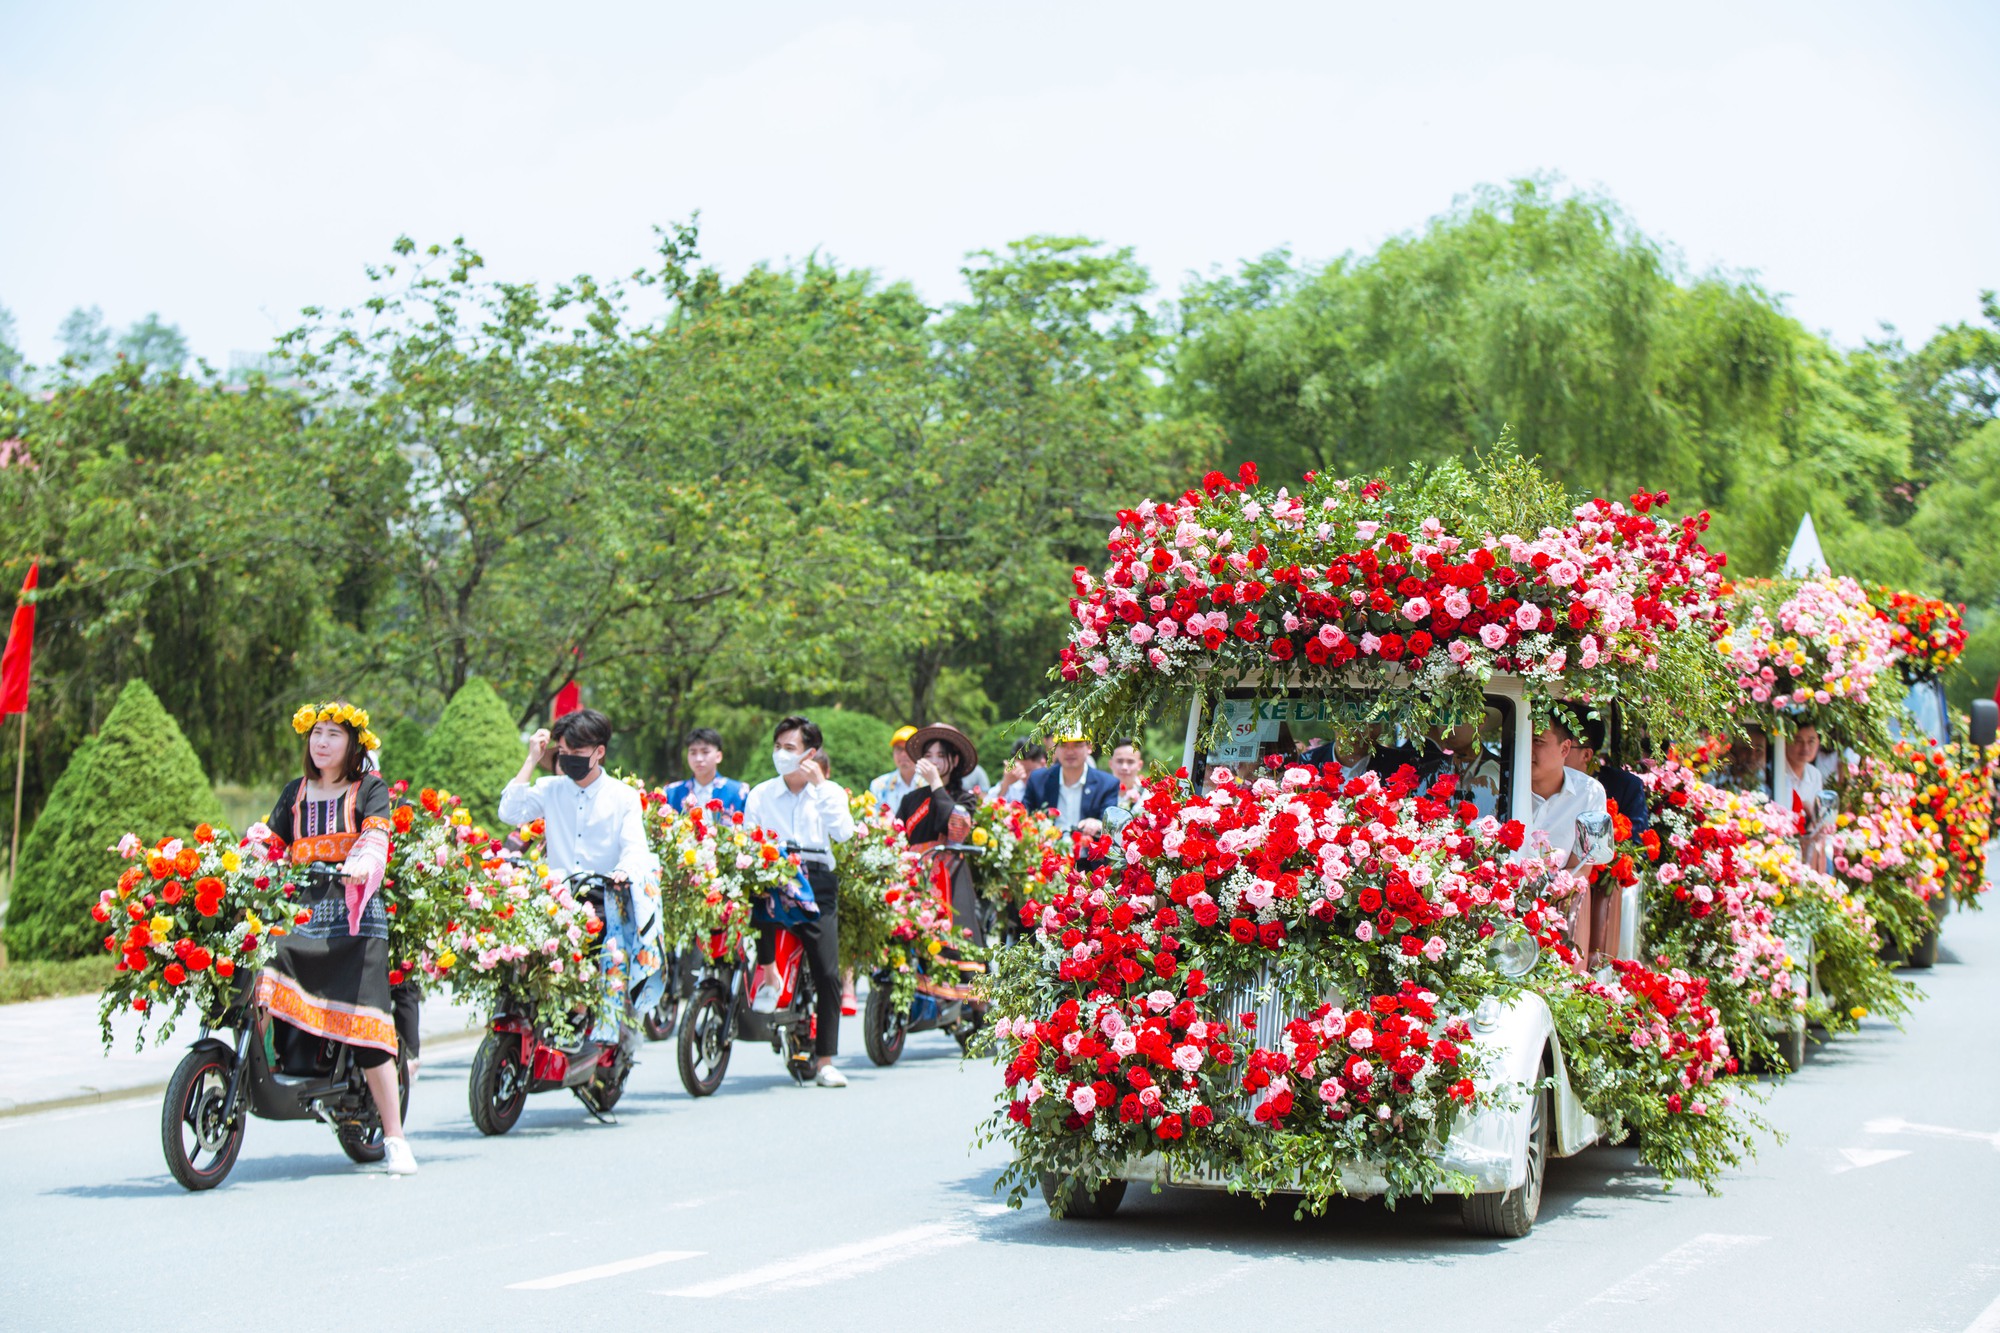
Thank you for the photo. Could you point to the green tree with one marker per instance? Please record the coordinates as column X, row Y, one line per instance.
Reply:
column 138, row 775
column 196, row 537
column 154, row 345
column 473, row 751
column 402, row 754
column 10, row 352
column 1047, row 420
column 85, row 340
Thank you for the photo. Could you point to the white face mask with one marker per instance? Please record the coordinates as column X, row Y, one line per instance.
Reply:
column 785, row 761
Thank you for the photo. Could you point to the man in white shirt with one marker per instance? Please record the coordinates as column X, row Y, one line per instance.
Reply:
column 594, row 826
column 802, row 806
column 900, row 781
column 1561, row 796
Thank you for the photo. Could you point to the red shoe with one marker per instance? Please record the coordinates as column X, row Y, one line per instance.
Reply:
column 849, row 1006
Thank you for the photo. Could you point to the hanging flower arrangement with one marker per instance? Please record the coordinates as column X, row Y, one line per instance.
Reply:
column 189, row 921
column 1812, row 651
column 1930, row 634
column 1416, row 597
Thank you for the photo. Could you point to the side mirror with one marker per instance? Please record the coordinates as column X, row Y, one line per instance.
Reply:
column 1985, row 722
column 1117, row 817
column 1594, row 843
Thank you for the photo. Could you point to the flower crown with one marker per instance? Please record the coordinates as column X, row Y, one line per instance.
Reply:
column 310, row 715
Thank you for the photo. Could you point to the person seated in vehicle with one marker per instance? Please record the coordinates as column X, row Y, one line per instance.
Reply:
column 705, row 782
column 940, row 811
column 1078, row 791
column 1564, row 799
column 1363, row 750
column 1473, row 757
column 1808, row 784
column 1589, row 755
column 1749, row 767
column 806, row 809
column 595, row 825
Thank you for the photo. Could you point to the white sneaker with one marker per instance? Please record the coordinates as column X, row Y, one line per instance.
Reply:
column 828, row 1077
column 397, row 1159
column 765, row 1001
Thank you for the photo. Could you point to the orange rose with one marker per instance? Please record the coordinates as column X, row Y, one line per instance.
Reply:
column 203, row 833
column 404, row 818
column 188, row 862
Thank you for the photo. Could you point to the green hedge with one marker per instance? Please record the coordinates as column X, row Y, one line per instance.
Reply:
column 402, row 752
column 138, row 774
column 472, row 752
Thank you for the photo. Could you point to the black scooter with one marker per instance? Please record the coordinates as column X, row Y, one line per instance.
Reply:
column 273, row 1071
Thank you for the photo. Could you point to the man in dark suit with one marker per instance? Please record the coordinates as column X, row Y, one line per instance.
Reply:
column 1077, row 792
column 1625, row 789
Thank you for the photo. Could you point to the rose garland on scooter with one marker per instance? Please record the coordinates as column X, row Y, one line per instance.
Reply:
column 190, row 921
column 889, row 919
column 1022, row 851
column 713, row 871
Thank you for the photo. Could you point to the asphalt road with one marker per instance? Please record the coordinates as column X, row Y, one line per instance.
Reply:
column 770, row 1205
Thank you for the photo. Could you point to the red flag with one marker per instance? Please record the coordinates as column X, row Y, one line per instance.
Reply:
column 568, row 699
column 14, row 662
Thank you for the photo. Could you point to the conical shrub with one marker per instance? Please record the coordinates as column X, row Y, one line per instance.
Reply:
column 473, row 750
column 402, row 753
column 137, row 774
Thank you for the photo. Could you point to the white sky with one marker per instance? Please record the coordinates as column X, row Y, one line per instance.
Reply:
column 229, row 162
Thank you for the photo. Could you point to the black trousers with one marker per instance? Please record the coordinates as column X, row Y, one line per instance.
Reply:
column 405, row 1004
column 821, row 940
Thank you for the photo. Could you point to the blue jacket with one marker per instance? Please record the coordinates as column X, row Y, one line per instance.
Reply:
column 1629, row 793
column 729, row 791
column 1100, row 791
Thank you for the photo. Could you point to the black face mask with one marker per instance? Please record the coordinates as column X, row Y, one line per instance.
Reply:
column 575, row 767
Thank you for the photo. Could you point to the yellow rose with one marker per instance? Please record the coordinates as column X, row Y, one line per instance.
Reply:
column 161, row 927
column 445, row 960
column 980, row 837
column 1858, row 1011
column 231, row 862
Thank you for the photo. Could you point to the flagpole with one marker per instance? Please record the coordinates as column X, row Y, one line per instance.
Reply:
column 20, row 769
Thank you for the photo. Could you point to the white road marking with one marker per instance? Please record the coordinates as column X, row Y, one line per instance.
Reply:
column 1895, row 1125
column 1658, row 1278
column 575, row 1276
column 1988, row 1321
column 1173, row 1298
column 840, row 1261
column 1860, row 1157
column 840, row 1272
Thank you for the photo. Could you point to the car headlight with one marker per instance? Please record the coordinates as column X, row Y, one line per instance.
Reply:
column 1513, row 952
column 1487, row 1016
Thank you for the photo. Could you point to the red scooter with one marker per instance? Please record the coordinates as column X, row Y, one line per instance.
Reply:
column 719, row 1012
column 517, row 1056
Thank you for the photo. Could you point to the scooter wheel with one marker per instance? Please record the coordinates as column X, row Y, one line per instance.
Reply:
column 884, row 1028
column 704, row 1042
column 499, row 1087
column 200, row 1148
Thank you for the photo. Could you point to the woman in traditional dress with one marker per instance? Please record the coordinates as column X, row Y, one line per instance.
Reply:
column 940, row 810
column 330, row 976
